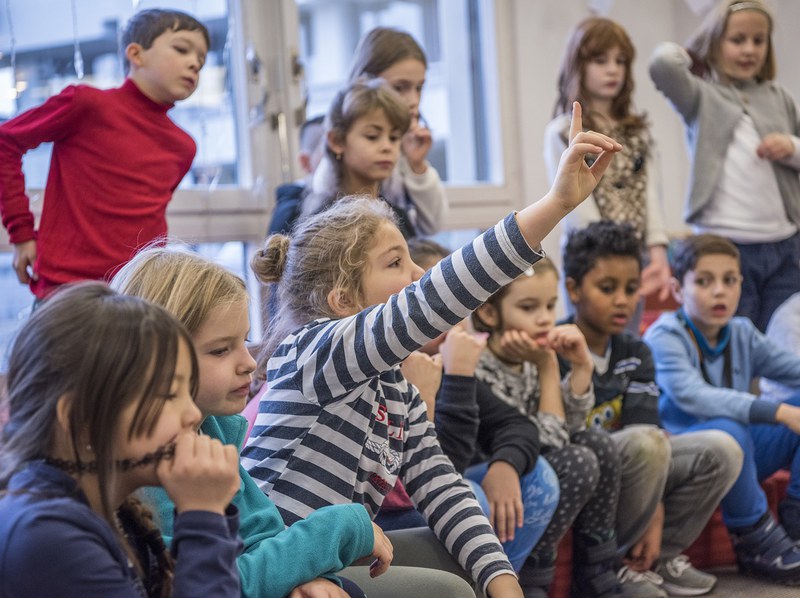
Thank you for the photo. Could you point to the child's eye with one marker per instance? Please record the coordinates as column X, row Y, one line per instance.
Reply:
column 632, row 289
column 394, row 138
column 551, row 306
column 730, row 281
column 401, row 88
column 607, row 289
column 702, row 282
column 181, row 50
column 218, row 352
column 371, row 137
column 395, row 263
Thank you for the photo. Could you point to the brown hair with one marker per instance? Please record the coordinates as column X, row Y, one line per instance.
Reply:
column 326, row 251
column 688, row 252
column 104, row 351
column 185, row 284
column 146, row 25
column 426, row 252
column 358, row 100
column 543, row 265
column 705, row 42
column 381, row 48
column 591, row 38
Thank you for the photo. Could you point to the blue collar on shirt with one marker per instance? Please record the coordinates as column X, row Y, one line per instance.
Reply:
column 702, row 343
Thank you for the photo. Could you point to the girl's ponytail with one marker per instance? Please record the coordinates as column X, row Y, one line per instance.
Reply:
column 137, row 521
column 269, row 262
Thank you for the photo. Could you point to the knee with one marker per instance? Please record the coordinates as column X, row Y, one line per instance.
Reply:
column 647, row 445
column 582, row 473
column 724, row 452
column 738, row 431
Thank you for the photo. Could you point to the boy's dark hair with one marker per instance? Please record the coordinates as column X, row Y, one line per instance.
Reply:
column 146, row 25
column 599, row 240
column 688, row 252
column 426, row 250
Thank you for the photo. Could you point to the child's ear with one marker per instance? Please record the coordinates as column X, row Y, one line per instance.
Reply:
column 134, row 54
column 572, row 289
column 677, row 290
column 488, row 315
column 341, row 303
column 335, row 144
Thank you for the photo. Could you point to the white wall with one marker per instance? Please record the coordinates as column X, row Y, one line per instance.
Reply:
column 538, row 35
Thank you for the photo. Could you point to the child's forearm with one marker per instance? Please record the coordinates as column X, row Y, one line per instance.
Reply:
column 550, row 388
column 581, row 379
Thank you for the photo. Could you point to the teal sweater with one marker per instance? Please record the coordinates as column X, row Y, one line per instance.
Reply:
column 276, row 559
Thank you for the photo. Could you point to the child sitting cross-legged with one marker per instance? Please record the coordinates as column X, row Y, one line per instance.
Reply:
column 670, row 484
column 520, row 366
column 705, row 362
column 339, row 422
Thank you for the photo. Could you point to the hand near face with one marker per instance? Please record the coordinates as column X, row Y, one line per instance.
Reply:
column 424, row 372
column 775, row 146
column 416, row 144
column 203, row 475
column 461, row 351
column 518, row 345
column 568, row 341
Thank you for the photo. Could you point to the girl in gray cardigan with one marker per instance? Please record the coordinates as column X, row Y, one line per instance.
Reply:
column 742, row 130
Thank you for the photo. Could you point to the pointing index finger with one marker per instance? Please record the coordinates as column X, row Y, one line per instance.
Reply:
column 576, row 124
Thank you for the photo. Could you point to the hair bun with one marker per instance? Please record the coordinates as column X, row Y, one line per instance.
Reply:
column 269, row 262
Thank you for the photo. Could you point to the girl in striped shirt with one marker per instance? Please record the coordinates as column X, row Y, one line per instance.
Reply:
column 339, row 423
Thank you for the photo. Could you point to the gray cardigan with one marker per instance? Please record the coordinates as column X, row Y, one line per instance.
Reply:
column 711, row 111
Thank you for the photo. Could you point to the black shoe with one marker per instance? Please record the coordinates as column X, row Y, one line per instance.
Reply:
column 766, row 551
column 789, row 516
column 536, row 576
column 594, row 571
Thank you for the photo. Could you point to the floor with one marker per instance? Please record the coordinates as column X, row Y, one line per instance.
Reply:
column 733, row 585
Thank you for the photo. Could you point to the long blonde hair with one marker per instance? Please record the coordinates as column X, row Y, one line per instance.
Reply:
column 706, row 40
column 185, row 284
column 326, row 252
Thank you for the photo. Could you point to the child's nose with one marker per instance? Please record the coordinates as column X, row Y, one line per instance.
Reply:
column 192, row 416
column 417, row 273
column 248, row 365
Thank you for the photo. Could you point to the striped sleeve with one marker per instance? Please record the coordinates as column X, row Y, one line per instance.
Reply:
column 345, row 353
column 447, row 502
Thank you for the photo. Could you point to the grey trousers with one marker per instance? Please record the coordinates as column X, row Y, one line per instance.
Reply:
column 690, row 473
column 421, row 567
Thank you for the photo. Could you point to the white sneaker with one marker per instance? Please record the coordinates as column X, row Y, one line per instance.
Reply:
column 682, row 579
column 640, row 584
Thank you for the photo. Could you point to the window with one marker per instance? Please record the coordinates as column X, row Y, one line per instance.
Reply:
column 49, row 57
column 459, row 93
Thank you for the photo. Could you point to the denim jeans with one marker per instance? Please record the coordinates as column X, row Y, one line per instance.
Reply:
column 540, row 495
column 767, row 448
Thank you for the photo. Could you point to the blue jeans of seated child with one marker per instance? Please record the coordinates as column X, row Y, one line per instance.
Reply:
column 540, row 495
column 767, row 448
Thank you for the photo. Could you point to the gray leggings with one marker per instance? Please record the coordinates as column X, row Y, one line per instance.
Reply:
column 588, row 473
column 422, row 568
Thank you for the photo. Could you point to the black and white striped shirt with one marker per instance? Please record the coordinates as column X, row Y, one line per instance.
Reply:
column 339, row 423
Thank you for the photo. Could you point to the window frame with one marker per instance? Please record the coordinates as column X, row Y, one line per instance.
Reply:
column 269, row 29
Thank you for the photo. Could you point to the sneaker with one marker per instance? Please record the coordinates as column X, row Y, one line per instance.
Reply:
column 640, row 584
column 789, row 516
column 766, row 551
column 682, row 579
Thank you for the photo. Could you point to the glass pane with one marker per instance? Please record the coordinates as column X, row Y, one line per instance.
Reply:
column 459, row 88
column 47, row 50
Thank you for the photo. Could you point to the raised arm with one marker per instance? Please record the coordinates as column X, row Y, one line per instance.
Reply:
column 670, row 71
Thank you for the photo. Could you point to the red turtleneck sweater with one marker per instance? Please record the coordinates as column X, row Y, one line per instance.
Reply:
column 117, row 158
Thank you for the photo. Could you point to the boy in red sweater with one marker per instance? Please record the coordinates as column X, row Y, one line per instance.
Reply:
column 117, row 158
